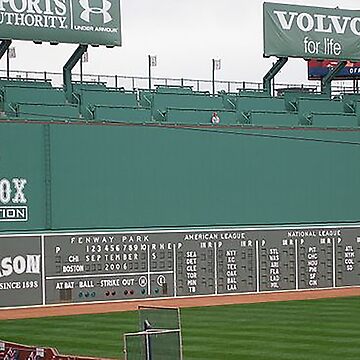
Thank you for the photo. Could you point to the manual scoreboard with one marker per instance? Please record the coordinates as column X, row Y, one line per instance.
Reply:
column 59, row 268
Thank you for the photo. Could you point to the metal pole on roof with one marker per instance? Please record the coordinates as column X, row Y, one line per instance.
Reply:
column 216, row 65
column 4, row 48
column 270, row 75
column 81, row 70
column 327, row 79
column 149, row 63
column 75, row 57
column 213, row 76
column 152, row 63
column 7, row 64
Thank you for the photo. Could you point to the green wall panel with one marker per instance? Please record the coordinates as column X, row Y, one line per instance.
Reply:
column 108, row 176
column 22, row 157
column 119, row 176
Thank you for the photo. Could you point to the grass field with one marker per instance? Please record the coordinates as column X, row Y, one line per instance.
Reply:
column 327, row 329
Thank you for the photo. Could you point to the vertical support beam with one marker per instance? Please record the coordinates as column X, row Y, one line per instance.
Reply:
column 47, row 174
column 213, row 76
column 81, row 69
column 4, row 48
column 272, row 73
column 7, row 64
column 74, row 59
column 149, row 65
column 326, row 80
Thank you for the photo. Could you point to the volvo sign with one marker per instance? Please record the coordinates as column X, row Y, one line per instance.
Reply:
column 311, row 32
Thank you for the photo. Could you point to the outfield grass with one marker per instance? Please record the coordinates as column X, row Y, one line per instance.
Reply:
column 327, row 329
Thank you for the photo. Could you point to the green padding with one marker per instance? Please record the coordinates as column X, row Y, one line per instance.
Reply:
column 121, row 114
column 185, row 116
column 163, row 101
column 77, row 86
column 251, row 103
column 25, row 82
column 351, row 103
column 229, row 101
column 112, row 97
column 135, row 176
column 47, row 112
column 319, row 105
column 334, row 120
column 35, row 95
column 146, row 99
column 161, row 89
column 291, row 98
column 252, row 93
column 274, row 119
column 23, row 156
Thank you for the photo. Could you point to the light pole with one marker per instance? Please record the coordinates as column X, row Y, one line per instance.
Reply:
column 10, row 54
column 216, row 65
column 84, row 59
column 152, row 62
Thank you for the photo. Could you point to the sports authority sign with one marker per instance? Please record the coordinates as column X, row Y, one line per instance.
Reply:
column 311, row 32
column 93, row 22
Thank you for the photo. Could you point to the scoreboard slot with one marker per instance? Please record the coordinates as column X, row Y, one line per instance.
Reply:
column 61, row 268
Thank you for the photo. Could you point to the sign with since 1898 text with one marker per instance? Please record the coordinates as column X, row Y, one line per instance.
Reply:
column 93, row 22
column 311, row 32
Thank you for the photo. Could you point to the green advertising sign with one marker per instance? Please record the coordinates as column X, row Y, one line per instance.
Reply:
column 93, row 22
column 311, row 32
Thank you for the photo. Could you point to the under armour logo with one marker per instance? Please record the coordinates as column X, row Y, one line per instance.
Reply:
column 104, row 10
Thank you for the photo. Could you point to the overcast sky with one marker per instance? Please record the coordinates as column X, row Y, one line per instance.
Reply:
column 185, row 35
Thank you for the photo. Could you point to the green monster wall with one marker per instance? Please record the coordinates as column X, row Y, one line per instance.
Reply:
column 83, row 176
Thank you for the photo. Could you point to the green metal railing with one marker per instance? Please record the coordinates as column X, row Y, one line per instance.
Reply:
column 142, row 82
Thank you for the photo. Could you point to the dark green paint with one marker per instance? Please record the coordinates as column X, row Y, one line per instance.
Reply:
column 108, row 176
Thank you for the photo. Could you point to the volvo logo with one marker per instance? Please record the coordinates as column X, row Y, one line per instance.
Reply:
column 104, row 10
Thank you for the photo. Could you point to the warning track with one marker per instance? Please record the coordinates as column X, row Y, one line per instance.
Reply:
column 66, row 310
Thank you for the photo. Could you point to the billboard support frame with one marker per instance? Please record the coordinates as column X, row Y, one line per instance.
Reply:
column 326, row 80
column 74, row 59
column 275, row 69
column 4, row 48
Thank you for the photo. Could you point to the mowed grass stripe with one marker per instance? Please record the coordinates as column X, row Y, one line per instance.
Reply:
column 325, row 329
column 300, row 330
column 96, row 335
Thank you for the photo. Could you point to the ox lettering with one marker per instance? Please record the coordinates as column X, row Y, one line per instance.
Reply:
column 30, row 264
column 12, row 190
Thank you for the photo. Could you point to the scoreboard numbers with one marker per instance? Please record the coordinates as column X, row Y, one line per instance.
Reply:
column 85, row 267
